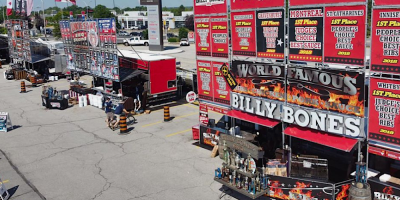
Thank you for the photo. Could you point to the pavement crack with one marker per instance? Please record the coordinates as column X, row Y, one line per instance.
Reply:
column 107, row 184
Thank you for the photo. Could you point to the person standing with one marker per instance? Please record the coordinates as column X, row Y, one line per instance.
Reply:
column 109, row 113
column 119, row 110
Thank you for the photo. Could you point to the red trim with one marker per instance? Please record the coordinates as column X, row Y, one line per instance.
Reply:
column 326, row 139
column 383, row 152
column 253, row 118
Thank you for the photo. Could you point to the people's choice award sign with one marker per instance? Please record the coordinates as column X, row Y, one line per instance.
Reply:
column 191, row 97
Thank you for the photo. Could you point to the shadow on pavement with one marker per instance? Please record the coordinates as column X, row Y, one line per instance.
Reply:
column 12, row 191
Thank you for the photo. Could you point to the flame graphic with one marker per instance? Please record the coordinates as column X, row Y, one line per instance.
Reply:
column 323, row 103
column 277, row 192
column 388, row 190
column 326, row 104
column 343, row 194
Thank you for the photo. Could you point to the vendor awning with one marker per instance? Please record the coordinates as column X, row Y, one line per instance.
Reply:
column 319, row 137
column 39, row 58
column 263, row 121
column 127, row 73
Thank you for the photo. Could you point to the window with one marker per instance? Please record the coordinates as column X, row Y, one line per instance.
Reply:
column 172, row 84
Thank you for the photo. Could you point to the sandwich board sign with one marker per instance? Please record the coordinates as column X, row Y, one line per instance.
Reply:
column 4, row 195
column 5, row 121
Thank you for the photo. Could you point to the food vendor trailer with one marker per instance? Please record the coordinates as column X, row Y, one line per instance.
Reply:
column 157, row 72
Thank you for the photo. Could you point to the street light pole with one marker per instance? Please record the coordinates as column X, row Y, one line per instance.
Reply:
column 44, row 20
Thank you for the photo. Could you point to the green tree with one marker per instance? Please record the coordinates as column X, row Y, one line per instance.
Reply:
column 57, row 31
column 145, row 34
column 189, row 22
column 102, row 12
column 183, row 33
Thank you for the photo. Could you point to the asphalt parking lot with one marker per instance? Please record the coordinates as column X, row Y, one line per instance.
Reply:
column 71, row 154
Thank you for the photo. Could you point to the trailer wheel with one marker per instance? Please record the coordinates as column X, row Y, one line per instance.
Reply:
column 126, row 44
column 146, row 44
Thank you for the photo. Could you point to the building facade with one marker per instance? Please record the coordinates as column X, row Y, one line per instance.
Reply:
column 131, row 19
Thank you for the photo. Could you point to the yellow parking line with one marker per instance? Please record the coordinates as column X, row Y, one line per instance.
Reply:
column 6, row 181
column 159, row 122
column 152, row 124
column 187, row 130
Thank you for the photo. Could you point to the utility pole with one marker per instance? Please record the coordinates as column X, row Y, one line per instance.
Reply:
column 44, row 20
column 114, row 4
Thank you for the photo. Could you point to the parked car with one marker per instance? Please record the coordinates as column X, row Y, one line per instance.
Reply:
column 123, row 33
column 136, row 40
column 184, row 42
column 143, row 27
column 49, row 31
column 134, row 28
column 135, row 34
column 170, row 35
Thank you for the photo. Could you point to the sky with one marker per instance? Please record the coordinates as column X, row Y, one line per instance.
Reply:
column 108, row 3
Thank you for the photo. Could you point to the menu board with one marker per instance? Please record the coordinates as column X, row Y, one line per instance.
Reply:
column 345, row 34
column 306, row 27
column 204, row 80
column 384, row 111
column 219, row 36
column 243, row 33
column 271, row 34
column 385, row 39
column 203, row 36
column 221, row 88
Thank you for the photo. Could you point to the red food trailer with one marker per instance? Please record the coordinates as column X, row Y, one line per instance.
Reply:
column 158, row 73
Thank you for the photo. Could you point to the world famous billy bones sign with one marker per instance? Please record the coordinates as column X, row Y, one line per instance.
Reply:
column 261, row 90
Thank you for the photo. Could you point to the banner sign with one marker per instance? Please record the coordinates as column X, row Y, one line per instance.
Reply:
column 79, row 33
column 219, row 36
column 386, row 2
column 324, row 89
column 203, row 36
column 281, row 187
column 255, row 4
column 221, row 88
column 259, row 79
column 385, row 39
column 229, row 78
column 207, row 7
column 271, row 34
column 344, row 41
column 344, row 125
column 243, row 33
column 383, row 191
column 107, row 33
column 191, row 36
column 384, row 111
column 19, row 39
column 306, row 27
column 383, row 152
column 319, row 2
column 204, row 80
column 203, row 117
column 153, row 16
column 210, row 136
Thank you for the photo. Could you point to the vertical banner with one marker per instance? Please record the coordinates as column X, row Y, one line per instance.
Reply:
column 385, row 40
column 243, row 33
column 203, row 36
column 206, row 7
column 384, row 111
column 271, row 34
column 221, row 88
column 255, row 4
column 203, row 114
column 154, row 25
column 345, row 35
column 204, row 80
column 219, row 36
column 18, row 5
column 306, row 27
